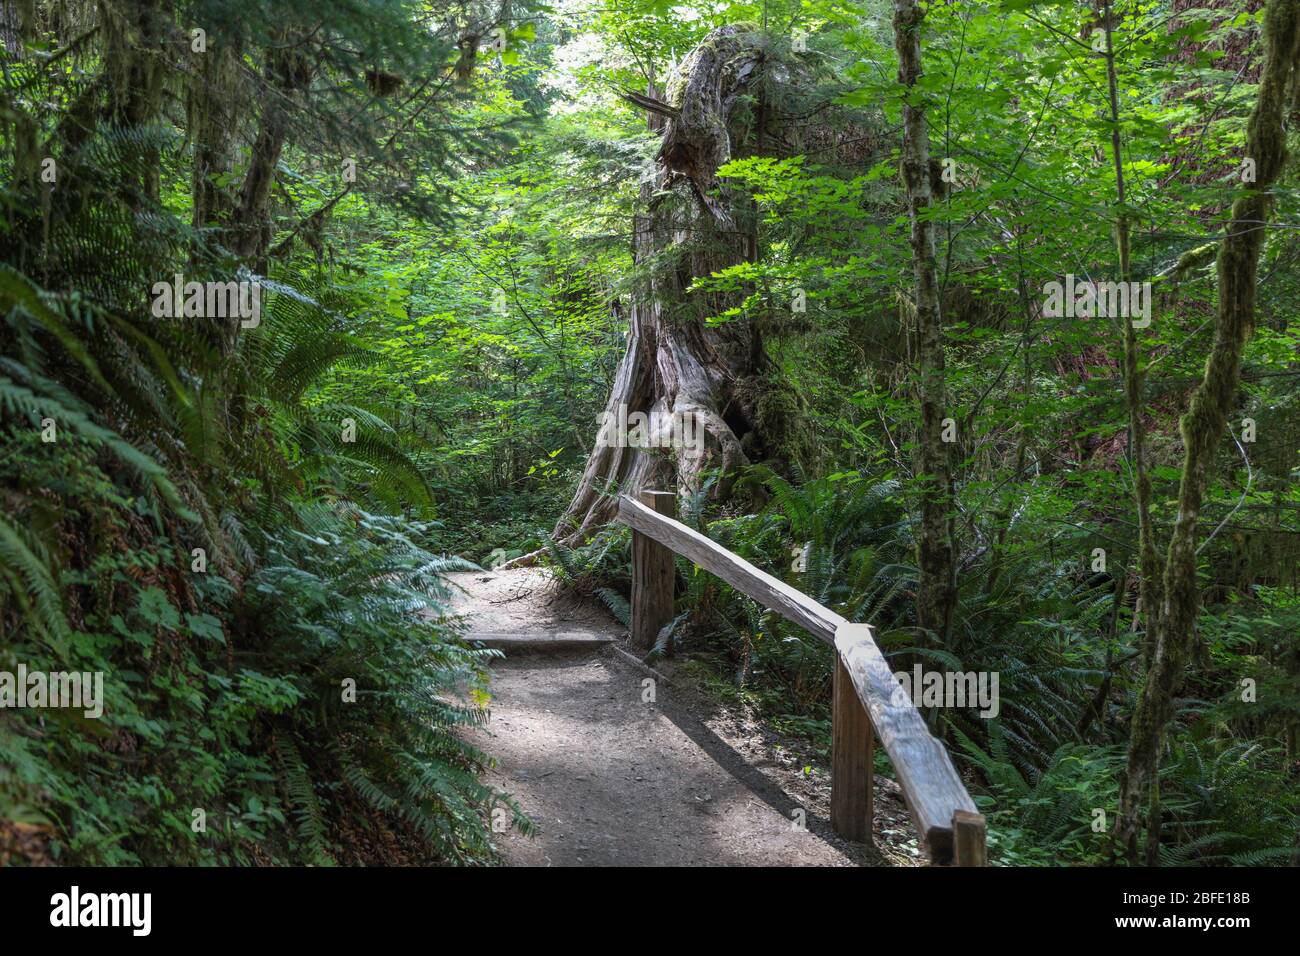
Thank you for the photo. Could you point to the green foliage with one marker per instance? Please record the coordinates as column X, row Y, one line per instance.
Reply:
column 185, row 513
column 1048, row 627
column 349, row 601
column 439, row 333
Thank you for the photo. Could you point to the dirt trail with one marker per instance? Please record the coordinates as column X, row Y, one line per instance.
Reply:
column 618, row 771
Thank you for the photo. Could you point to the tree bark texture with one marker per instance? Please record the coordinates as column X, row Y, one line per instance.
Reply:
column 675, row 363
column 936, row 591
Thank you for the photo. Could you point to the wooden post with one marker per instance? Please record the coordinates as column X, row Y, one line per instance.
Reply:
column 652, row 576
column 852, row 750
column 968, row 846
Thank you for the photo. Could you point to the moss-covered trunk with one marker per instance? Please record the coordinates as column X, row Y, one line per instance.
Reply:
column 1203, row 426
column 677, row 366
column 936, row 592
column 1134, row 374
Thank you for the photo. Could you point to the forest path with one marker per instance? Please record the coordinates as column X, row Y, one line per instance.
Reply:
column 613, row 778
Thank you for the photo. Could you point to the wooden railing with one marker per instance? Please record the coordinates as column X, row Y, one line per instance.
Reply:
column 866, row 695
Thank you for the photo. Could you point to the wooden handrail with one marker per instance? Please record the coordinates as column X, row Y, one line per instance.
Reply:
column 773, row 593
column 866, row 695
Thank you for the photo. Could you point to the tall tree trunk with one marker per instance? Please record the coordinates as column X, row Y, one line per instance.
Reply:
column 17, row 22
column 675, row 364
column 936, row 592
column 289, row 70
column 212, row 102
column 1203, row 426
column 136, row 35
column 17, row 27
column 1134, row 374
